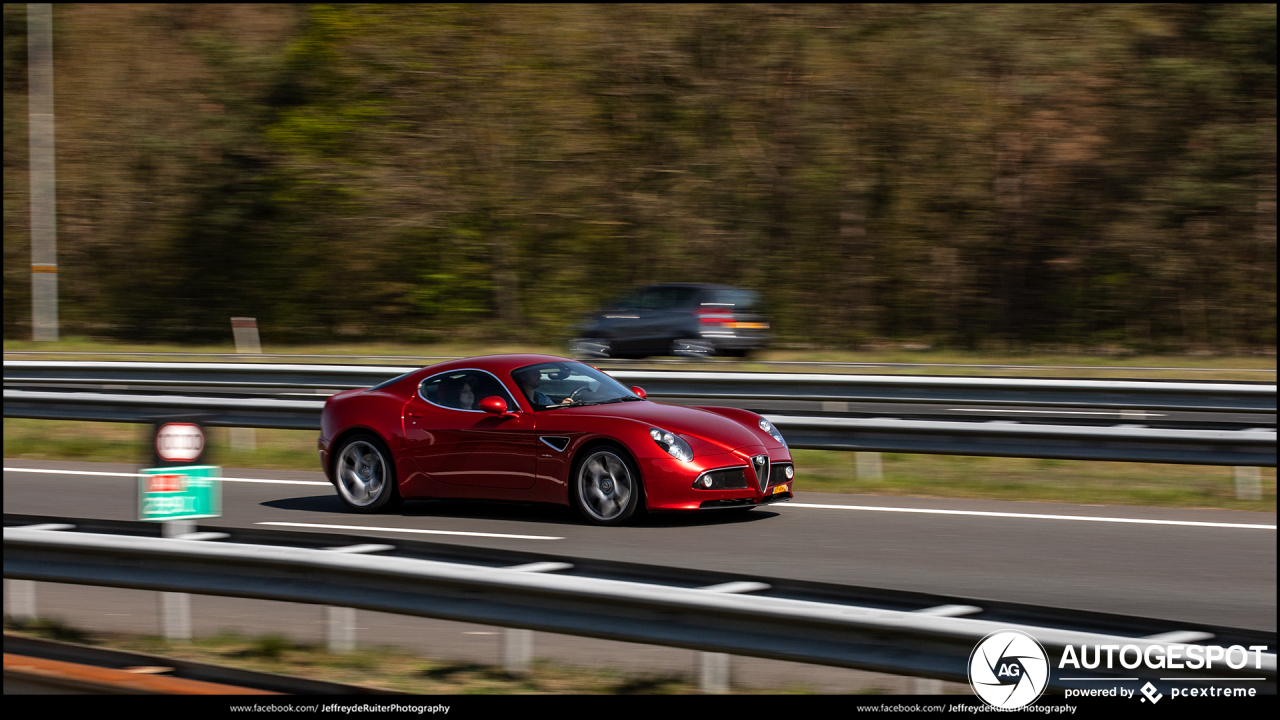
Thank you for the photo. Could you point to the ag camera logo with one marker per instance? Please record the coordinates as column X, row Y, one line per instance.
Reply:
column 1008, row 669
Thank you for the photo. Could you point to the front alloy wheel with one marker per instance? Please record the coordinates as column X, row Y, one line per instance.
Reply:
column 606, row 490
column 366, row 481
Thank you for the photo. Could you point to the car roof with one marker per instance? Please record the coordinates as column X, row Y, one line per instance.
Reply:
column 496, row 363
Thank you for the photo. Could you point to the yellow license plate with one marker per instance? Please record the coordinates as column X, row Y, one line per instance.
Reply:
column 780, row 489
column 749, row 326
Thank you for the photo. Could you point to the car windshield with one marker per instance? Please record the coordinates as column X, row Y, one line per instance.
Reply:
column 566, row 384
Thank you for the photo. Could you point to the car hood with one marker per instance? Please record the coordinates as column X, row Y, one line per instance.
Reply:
column 715, row 429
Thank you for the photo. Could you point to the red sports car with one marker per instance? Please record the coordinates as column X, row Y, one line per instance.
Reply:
column 539, row 428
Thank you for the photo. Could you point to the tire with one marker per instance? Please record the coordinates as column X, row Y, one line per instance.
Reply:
column 591, row 348
column 695, row 348
column 365, row 475
column 606, row 486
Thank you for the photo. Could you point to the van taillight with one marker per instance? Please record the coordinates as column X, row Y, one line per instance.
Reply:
column 715, row 315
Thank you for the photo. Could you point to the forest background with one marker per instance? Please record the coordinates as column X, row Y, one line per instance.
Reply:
column 961, row 176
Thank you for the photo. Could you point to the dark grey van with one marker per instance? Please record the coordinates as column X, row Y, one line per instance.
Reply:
column 686, row 319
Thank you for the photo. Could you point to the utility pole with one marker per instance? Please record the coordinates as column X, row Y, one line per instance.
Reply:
column 44, row 229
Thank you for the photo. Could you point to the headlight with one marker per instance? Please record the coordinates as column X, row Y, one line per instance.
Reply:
column 675, row 447
column 768, row 427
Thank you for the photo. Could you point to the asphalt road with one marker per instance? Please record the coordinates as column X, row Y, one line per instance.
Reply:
column 1219, row 572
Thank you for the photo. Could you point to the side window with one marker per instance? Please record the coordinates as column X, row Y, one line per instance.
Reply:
column 661, row 299
column 668, row 298
column 650, row 299
column 462, row 390
column 628, row 302
column 684, row 297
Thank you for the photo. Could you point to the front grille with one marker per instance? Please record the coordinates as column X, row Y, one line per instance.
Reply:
column 728, row 479
column 778, row 473
column 760, row 463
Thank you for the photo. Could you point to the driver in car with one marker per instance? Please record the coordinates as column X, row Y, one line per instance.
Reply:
column 529, row 381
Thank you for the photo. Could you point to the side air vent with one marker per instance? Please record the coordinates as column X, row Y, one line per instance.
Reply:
column 555, row 442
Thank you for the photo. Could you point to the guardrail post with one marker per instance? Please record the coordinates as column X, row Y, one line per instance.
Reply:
column 22, row 600
column 517, row 650
column 715, row 673
column 175, row 608
column 868, row 466
column 245, row 331
column 342, row 629
column 1248, row 483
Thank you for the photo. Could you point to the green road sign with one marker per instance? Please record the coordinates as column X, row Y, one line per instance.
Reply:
column 180, row 493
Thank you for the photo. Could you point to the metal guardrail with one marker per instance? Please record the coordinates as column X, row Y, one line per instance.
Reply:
column 1255, row 447
column 912, row 643
column 246, row 395
column 827, row 388
column 1007, row 439
column 734, row 386
column 212, row 411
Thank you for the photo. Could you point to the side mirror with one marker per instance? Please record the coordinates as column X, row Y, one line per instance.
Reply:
column 494, row 405
column 639, row 391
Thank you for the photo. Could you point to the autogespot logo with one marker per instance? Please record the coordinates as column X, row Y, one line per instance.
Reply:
column 1008, row 669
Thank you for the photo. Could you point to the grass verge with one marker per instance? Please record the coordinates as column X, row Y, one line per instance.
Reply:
column 950, row 476
column 382, row 667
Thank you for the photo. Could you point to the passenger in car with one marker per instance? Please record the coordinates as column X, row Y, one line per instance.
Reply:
column 466, row 396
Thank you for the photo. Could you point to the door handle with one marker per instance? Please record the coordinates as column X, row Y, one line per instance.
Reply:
column 414, row 414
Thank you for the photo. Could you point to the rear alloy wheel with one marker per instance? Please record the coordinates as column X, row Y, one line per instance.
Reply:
column 365, row 477
column 606, row 487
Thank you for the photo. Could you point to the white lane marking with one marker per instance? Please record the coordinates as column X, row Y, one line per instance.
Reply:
column 949, row 610
column 741, row 586
column 131, row 475
column 203, row 536
column 366, row 548
column 1120, row 413
column 538, row 567
column 412, row 530
column 1027, row 516
column 1179, row 636
column 48, row 526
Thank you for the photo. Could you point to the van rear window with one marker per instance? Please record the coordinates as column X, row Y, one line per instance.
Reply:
column 740, row 300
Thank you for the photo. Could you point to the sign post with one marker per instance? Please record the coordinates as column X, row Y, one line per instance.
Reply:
column 176, row 493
